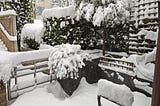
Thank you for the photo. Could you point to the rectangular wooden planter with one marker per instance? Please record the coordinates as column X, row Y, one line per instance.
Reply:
column 3, row 96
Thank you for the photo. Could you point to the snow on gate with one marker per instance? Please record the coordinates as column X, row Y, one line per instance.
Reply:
column 31, row 64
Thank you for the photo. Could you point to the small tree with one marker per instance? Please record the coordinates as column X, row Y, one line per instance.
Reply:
column 104, row 14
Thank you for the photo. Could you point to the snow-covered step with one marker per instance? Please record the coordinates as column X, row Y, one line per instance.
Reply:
column 3, row 46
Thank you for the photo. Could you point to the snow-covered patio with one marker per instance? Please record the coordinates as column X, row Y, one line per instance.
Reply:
column 85, row 95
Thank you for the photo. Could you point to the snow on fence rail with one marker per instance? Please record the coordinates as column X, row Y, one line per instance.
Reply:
column 21, row 64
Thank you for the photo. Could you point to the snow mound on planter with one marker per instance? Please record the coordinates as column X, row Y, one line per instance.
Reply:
column 119, row 93
column 59, row 12
column 33, row 31
column 66, row 59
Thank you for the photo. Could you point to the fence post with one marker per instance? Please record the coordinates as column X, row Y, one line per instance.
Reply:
column 3, row 96
column 156, row 82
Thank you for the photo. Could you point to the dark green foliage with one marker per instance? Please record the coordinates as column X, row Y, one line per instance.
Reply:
column 147, row 20
column 118, row 38
column 31, row 43
column 74, row 32
column 84, row 33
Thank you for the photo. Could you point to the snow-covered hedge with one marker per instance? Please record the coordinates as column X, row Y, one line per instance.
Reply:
column 88, row 25
column 120, row 94
column 65, row 61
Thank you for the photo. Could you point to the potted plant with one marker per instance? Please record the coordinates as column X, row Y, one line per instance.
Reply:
column 66, row 61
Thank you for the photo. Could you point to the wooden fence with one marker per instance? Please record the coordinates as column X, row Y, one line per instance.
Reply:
column 140, row 45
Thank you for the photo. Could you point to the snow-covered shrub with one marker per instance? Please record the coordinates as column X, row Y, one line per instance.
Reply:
column 34, row 32
column 93, row 26
column 65, row 61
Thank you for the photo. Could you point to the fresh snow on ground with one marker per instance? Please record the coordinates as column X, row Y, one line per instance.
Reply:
column 85, row 95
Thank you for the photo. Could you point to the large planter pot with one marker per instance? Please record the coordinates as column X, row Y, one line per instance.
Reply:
column 69, row 85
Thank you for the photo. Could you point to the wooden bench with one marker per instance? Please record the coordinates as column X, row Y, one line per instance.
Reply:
column 118, row 63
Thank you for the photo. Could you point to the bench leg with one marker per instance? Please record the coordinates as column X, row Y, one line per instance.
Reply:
column 99, row 100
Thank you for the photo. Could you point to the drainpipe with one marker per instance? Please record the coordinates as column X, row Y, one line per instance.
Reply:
column 156, row 81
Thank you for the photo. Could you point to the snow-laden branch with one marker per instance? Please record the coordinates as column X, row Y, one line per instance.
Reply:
column 11, row 38
column 115, row 12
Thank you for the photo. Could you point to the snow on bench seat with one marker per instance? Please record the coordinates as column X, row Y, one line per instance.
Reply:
column 119, row 94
